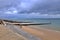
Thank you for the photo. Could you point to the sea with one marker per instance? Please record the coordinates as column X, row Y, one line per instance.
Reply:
column 55, row 22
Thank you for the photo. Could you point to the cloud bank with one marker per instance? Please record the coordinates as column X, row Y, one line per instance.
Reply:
column 40, row 7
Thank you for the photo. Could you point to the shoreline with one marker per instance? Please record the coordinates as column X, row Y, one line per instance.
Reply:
column 42, row 33
column 38, row 28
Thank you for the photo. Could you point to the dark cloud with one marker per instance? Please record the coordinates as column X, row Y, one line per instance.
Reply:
column 43, row 6
column 29, row 6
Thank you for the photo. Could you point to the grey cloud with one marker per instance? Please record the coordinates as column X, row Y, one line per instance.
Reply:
column 29, row 6
column 44, row 6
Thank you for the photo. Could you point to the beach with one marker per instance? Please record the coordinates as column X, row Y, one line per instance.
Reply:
column 18, row 32
column 6, row 34
column 42, row 33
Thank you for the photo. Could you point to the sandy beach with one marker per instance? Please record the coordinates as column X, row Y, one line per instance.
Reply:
column 6, row 34
column 43, row 34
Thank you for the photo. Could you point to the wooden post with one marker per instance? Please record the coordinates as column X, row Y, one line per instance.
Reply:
column 20, row 26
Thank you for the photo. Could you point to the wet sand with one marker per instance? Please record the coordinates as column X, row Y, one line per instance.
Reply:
column 6, row 34
column 42, row 33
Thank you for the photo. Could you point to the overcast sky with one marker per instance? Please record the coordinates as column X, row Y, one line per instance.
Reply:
column 30, row 8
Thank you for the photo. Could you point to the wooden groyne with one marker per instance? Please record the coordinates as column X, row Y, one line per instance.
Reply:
column 4, row 22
